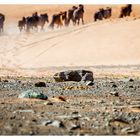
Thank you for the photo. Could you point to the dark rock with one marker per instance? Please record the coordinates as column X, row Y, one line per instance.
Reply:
column 114, row 85
column 49, row 103
column 87, row 77
column 40, row 84
column 5, row 81
column 131, row 80
column 114, row 93
column 74, row 75
column 45, row 123
column 54, row 123
column 131, row 87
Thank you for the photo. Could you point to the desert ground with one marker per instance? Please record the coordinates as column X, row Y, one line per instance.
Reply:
column 109, row 48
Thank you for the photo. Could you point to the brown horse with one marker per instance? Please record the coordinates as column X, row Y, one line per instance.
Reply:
column 65, row 18
column 56, row 19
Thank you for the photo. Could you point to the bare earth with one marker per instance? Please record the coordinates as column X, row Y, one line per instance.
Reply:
column 109, row 48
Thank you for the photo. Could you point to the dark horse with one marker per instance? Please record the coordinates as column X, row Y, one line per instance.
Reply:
column 34, row 21
column 126, row 11
column 70, row 14
column 42, row 19
column 103, row 14
column 98, row 15
column 22, row 24
column 65, row 18
column 56, row 19
column 2, row 19
column 107, row 13
column 78, row 14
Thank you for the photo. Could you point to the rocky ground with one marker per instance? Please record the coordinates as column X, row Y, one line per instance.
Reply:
column 110, row 107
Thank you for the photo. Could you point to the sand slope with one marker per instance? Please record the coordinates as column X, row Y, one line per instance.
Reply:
column 110, row 42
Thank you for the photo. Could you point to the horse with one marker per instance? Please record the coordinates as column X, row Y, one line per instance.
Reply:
column 107, row 13
column 126, row 11
column 43, row 18
column 22, row 24
column 65, row 18
column 103, row 14
column 98, row 15
column 78, row 14
column 32, row 21
column 56, row 19
column 70, row 14
column 2, row 19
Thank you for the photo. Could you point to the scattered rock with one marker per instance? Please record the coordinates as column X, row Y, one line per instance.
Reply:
column 45, row 123
column 74, row 127
column 127, row 80
column 114, row 93
column 89, row 83
column 58, row 99
column 32, row 94
column 61, row 98
column 48, row 103
column 114, row 85
column 128, row 130
column 74, row 75
column 131, row 87
column 5, row 81
column 54, row 123
column 24, row 111
column 40, row 84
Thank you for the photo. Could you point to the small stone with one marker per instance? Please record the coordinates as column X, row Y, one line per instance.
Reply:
column 45, row 123
column 48, row 103
column 40, row 84
column 5, row 81
column 74, row 127
column 114, row 85
column 131, row 87
column 89, row 83
column 128, row 130
column 131, row 80
column 56, row 123
column 114, row 93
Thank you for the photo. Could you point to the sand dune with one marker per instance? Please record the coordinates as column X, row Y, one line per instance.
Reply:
column 110, row 42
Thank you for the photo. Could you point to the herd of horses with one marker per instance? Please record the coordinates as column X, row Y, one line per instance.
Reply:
column 74, row 15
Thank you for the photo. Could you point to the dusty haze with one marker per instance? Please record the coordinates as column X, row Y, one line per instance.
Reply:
column 108, row 42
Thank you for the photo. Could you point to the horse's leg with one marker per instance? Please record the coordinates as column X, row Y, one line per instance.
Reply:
column 82, row 19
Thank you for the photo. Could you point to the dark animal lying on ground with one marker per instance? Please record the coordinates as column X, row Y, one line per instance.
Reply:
column 78, row 14
column 2, row 19
column 126, row 11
